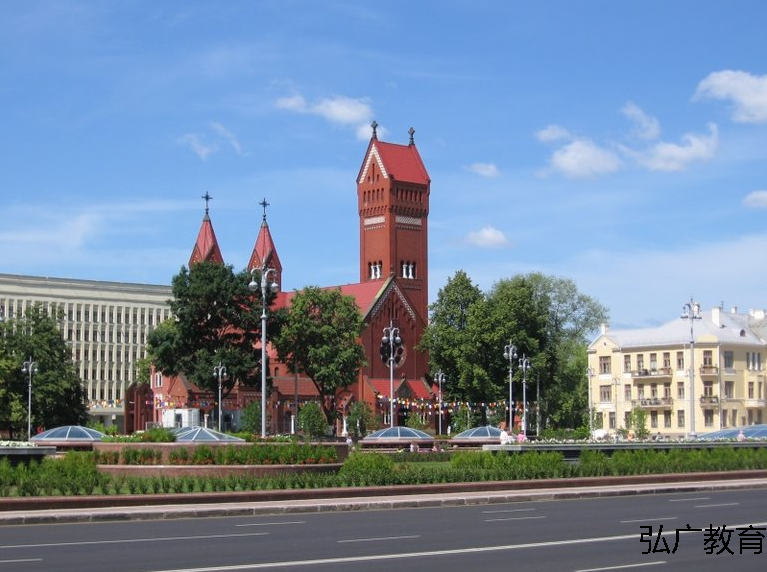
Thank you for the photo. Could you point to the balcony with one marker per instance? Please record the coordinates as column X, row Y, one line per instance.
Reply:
column 653, row 403
column 653, row 373
column 754, row 403
column 708, row 370
column 709, row 401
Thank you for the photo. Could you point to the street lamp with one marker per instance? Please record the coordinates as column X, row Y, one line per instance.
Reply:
column 265, row 286
column 524, row 364
column 391, row 352
column 590, row 374
column 691, row 311
column 439, row 378
column 219, row 372
column 510, row 353
column 29, row 367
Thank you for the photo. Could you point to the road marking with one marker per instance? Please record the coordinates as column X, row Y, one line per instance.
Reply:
column 400, row 555
column 509, row 510
column 132, row 540
column 514, row 518
column 272, row 523
column 380, row 538
column 715, row 505
column 20, row 560
column 397, row 555
column 648, row 519
column 690, row 499
column 623, row 566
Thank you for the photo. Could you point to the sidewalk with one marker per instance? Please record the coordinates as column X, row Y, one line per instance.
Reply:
column 599, row 488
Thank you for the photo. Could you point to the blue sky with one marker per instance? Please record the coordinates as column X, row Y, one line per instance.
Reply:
column 622, row 145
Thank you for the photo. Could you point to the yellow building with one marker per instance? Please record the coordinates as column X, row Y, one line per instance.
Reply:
column 649, row 370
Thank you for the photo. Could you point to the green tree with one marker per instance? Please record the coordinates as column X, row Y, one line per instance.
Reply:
column 312, row 420
column 447, row 337
column 570, row 317
column 320, row 337
column 360, row 420
column 251, row 417
column 545, row 317
column 57, row 393
column 216, row 320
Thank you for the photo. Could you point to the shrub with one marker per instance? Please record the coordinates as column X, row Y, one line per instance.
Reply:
column 366, row 469
column 312, row 420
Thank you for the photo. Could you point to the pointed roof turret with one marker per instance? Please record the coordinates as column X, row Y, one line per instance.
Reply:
column 400, row 162
column 264, row 251
column 206, row 248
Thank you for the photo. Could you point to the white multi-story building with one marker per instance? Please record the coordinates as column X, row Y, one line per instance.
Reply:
column 651, row 369
column 105, row 324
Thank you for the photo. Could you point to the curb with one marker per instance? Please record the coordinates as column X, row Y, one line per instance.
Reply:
column 162, row 507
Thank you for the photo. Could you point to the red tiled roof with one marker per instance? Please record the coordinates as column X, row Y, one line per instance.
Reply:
column 364, row 294
column 381, row 386
column 402, row 162
column 287, row 386
column 420, row 389
column 206, row 248
column 264, row 250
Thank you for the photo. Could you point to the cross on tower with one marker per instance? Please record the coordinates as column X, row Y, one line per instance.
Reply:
column 207, row 199
column 264, row 204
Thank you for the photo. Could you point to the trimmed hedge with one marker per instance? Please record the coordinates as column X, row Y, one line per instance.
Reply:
column 77, row 472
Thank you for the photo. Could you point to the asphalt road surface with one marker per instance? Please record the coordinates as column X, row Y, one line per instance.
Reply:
column 615, row 533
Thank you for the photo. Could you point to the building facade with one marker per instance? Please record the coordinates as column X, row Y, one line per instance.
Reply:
column 689, row 376
column 393, row 189
column 105, row 324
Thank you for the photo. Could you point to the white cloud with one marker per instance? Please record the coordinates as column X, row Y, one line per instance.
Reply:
column 195, row 142
column 229, row 136
column 553, row 133
column 583, row 159
column 487, row 237
column 293, row 103
column 756, row 200
column 645, row 126
column 489, row 170
column 747, row 92
column 676, row 157
column 340, row 110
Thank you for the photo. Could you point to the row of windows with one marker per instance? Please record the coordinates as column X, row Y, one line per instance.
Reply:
column 664, row 419
column 753, row 361
column 85, row 313
column 655, row 391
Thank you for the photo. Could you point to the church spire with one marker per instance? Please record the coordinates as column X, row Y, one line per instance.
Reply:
column 206, row 248
column 264, row 252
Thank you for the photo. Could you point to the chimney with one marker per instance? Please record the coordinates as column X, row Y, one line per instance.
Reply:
column 716, row 316
column 603, row 328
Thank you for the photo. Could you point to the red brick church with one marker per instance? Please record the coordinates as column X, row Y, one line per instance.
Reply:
column 393, row 202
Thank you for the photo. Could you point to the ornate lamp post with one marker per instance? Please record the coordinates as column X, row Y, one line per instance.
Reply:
column 391, row 352
column 30, row 368
column 219, row 372
column 266, row 287
column 524, row 365
column 691, row 311
column 439, row 377
column 510, row 353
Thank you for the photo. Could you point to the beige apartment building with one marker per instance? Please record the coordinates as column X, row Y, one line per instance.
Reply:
column 686, row 389
column 105, row 324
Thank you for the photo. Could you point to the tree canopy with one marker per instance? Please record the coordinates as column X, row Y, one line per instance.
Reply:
column 57, row 393
column 216, row 321
column 546, row 319
column 320, row 337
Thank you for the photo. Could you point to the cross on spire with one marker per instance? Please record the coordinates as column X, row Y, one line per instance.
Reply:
column 264, row 204
column 207, row 198
column 411, row 132
column 374, row 125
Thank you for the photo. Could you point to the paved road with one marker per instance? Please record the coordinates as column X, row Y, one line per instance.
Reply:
column 532, row 534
